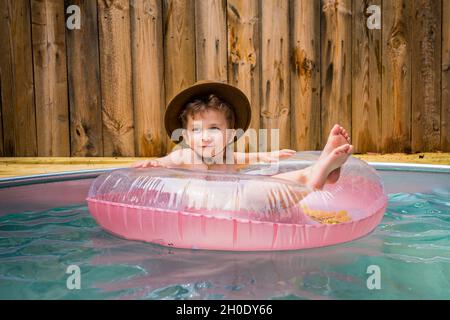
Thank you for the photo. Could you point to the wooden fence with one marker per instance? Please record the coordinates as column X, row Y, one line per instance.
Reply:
column 305, row 65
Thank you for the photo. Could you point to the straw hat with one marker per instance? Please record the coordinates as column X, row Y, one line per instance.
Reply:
column 231, row 94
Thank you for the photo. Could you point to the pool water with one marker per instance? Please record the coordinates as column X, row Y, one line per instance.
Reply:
column 410, row 249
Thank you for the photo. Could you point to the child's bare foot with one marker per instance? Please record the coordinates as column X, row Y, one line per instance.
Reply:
column 327, row 164
column 338, row 137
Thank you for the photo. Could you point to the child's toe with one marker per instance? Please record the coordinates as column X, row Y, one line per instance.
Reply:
column 336, row 129
column 350, row 149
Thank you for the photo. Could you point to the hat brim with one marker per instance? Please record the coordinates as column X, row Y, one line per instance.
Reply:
column 231, row 94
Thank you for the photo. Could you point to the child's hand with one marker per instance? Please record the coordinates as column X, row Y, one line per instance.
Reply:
column 277, row 155
column 147, row 164
column 282, row 154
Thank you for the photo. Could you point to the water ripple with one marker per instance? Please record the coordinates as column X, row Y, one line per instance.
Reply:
column 411, row 246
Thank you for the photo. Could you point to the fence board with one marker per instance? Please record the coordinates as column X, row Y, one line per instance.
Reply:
column 396, row 81
column 148, row 81
column 211, row 39
column 426, row 75
column 305, row 75
column 336, row 37
column 243, row 54
column 179, row 37
column 2, row 154
column 16, row 73
column 305, row 65
column 85, row 102
column 445, row 121
column 115, row 70
column 366, row 80
column 50, row 78
column 275, row 90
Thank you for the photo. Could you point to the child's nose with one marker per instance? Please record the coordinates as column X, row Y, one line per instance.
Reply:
column 206, row 136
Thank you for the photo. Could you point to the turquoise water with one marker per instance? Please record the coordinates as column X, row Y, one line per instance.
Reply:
column 411, row 248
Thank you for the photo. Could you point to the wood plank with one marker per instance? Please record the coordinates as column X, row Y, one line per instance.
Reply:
column 396, row 83
column 426, row 75
column 115, row 70
column 305, row 75
column 2, row 154
column 275, row 91
column 366, row 80
column 211, row 39
column 50, row 77
column 179, row 48
column 147, row 70
column 244, row 56
column 336, row 96
column 445, row 121
column 16, row 74
column 85, row 100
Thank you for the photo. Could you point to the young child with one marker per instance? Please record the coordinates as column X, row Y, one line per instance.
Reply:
column 209, row 116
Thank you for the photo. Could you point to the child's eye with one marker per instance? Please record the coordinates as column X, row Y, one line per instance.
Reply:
column 196, row 130
column 214, row 128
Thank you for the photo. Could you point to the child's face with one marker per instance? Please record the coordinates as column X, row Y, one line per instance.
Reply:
column 206, row 133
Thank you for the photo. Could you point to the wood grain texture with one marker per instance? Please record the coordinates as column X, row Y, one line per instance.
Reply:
column 148, row 78
column 305, row 65
column 115, row 70
column 50, row 77
column 426, row 75
column 244, row 69
column 366, row 80
column 336, row 35
column 275, row 76
column 2, row 154
column 179, row 48
column 445, row 113
column 179, row 45
column 211, row 40
column 16, row 74
column 396, row 81
column 85, row 102
column 305, row 75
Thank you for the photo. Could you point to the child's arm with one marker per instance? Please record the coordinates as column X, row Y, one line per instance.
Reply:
column 252, row 157
column 158, row 162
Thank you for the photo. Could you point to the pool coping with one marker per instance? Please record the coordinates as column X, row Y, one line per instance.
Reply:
column 93, row 173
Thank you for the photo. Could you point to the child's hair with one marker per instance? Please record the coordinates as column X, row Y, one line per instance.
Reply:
column 203, row 103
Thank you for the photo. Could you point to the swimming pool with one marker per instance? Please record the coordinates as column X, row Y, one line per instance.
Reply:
column 45, row 227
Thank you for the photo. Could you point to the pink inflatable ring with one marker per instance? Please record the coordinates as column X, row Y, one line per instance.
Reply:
column 248, row 211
